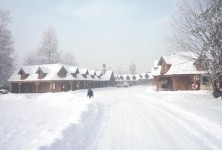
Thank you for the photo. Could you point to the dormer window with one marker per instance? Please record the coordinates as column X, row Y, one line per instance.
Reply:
column 23, row 74
column 128, row 78
column 134, row 78
column 74, row 75
column 62, row 73
column 121, row 78
column 40, row 73
column 164, row 65
column 146, row 76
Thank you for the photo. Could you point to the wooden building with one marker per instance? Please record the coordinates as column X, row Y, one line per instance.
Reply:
column 57, row 78
column 179, row 72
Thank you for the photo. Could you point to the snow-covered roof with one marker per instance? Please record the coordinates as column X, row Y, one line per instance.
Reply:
column 167, row 59
column 155, row 71
column 107, row 76
column 30, row 71
column 98, row 72
column 71, row 69
column 146, row 76
column 51, row 73
column 83, row 71
column 155, row 63
column 92, row 72
column 181, row 63
column 133, row 77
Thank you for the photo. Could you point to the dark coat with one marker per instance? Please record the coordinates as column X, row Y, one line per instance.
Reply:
column 90, row 93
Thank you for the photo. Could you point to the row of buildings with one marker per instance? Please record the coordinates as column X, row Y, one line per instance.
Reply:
column 60, row 77
column 135, row 79
column 57, row 78
column 174, row 72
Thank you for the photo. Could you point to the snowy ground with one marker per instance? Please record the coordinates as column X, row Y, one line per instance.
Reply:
column 135, row 118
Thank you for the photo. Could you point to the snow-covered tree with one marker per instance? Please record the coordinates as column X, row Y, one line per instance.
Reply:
column 198, row 28
column 68, row 58
column 132, row 68
column 6, row 48
column 48, row 51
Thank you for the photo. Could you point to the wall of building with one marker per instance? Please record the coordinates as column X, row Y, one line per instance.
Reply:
column 164, row 83
column 182, row 83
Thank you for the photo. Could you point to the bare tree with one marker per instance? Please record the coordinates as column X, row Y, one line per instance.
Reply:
column 198, row 28
column 120, row 69
column 6, row 48
column 48, row 50
column 31, row 59
column 68, row 58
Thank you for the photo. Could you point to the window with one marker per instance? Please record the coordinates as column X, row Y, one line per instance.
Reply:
column 23, row 74
column 165, row 83
column 52, row 86
column 205, row 80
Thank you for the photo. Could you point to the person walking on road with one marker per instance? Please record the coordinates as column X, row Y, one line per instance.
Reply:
column 90, row 93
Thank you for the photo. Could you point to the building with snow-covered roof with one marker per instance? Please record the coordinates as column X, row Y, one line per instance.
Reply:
column 56, row 78
column 178, row 72
column 135, row 79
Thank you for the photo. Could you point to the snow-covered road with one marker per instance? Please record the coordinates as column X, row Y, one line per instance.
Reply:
column 134, row 118
column 141, row 120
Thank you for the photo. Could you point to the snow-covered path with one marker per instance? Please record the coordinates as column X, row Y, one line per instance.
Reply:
column 134, row 118
column 141, row 120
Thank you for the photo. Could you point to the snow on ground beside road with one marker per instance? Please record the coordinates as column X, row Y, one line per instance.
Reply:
column 134, row 118
column 29, row 121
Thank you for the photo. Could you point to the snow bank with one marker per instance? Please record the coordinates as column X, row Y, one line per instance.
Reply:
column 29, row 121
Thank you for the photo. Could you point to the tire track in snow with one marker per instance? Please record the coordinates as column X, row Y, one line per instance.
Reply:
column 175, row 113
column 133, row 125
column 122, row 131
column 165, row 127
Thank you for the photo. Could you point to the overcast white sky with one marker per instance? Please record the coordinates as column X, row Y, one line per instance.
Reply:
column 111, row 32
